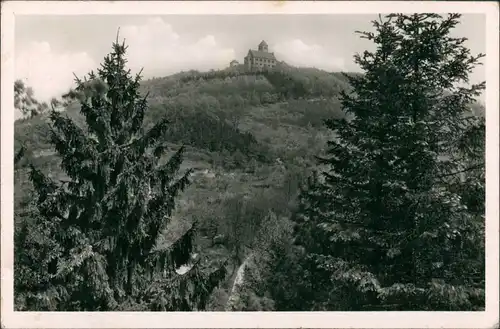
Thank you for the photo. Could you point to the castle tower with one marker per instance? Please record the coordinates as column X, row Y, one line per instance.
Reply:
column 263, row 46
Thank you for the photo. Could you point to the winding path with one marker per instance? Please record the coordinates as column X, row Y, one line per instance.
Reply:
column 238, row 281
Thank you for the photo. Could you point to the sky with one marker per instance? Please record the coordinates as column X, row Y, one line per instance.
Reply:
column 49, row 49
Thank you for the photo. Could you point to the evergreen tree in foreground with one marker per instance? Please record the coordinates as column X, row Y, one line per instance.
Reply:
column 90, row 244
column 396, row 222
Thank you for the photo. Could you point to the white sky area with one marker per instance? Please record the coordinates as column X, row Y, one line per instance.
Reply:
column 49, row 49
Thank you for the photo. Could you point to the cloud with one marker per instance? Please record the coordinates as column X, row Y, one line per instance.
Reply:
column 160, row 50
column 48, row 72
column 154, row 46
column 296, row 52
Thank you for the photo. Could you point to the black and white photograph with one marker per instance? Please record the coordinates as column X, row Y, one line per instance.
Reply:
column 251, row 164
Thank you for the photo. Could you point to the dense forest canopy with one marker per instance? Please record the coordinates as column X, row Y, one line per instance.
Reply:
column 289, row 189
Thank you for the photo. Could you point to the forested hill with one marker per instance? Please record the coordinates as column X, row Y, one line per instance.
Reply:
column 223, row 101
column 251, row 139
column 220, row 112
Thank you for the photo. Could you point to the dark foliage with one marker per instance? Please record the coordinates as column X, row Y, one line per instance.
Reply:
column 287, row 83
column 89, row 243
column 208, row 131
column 389, row 225
column 391, row 219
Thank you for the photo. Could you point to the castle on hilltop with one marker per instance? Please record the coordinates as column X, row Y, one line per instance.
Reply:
column 260, row 59
column 257, row 60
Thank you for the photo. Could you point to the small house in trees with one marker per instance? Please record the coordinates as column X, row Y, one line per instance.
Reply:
column 234, row 63
column 260, row 59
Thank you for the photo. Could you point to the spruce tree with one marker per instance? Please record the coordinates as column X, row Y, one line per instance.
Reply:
column 96, row 245
column 396, row 220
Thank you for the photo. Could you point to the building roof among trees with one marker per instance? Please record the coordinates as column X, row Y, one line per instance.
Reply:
column 261, row 54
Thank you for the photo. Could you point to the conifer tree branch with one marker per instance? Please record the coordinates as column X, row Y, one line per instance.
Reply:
column 475, row 167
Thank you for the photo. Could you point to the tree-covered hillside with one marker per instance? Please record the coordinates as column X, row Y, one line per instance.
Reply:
column 248, row 143
column 261, row 225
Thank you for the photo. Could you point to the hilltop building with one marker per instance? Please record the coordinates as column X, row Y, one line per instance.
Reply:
column 260, row 59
